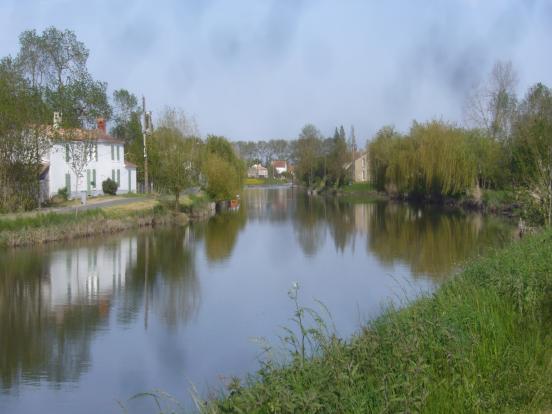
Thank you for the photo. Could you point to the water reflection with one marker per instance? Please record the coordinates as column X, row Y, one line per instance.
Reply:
column 55, row 301
column 430, row 241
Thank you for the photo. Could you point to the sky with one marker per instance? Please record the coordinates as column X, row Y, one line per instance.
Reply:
column 262, row 69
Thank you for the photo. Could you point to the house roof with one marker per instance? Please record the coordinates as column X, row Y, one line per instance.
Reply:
column 77, row 134
column 279, row 164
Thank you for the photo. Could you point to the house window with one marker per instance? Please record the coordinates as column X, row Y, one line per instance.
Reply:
column 112, row 152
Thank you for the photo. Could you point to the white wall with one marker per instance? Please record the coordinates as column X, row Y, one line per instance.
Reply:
column 104, row 167
column 86, row 275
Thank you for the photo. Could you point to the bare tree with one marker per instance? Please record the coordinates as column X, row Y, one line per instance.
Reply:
column 79, row 151
column 491, row 106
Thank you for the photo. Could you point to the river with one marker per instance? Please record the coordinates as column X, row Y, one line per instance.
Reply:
column 87, row 324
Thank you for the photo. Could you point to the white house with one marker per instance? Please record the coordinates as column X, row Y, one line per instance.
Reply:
column 257, row 171
column 105, row 158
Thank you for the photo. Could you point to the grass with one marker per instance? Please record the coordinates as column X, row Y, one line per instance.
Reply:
column 358, row 188
column 482, row 343
column 18, row 230
column 264, row 181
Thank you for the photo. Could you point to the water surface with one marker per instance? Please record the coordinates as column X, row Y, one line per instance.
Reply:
column 87, row 323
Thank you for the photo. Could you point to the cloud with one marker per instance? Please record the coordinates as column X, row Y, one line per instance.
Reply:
column 251, row 69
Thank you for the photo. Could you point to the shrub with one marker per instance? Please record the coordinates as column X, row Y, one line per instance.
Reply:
column 63, row 193
column 109, row 186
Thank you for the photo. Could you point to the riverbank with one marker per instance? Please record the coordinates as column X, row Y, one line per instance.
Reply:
column 39, row 228
column 480, row 343
column 499, row 202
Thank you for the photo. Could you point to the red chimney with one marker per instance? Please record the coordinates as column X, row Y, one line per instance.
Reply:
column 101, row 124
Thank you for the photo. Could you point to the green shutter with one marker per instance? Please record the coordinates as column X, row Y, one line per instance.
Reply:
column 129, row 180
column 68, row 183
column 96, row 154
column 66, row 152
column 119, row 177
column 88, row 180
column 118, row 152
column 113, row 175
column 112, row 153
column 94, row 178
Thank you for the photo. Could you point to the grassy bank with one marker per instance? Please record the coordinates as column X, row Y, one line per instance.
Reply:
column 264, row 181
column 481, row 343
column 42, row 228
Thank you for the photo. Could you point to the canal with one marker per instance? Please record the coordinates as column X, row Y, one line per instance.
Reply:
column 87, row 324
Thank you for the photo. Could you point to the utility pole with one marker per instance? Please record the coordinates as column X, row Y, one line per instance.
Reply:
column 353, row 149
column 144, row 134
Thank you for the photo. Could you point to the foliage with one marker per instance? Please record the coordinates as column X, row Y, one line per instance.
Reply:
column 110, row 186
column 64, row 193
column 54, row 63
column 22, row 143
column 451, row 351
column 174, row 161
column 434, row 159
column 532, row 149
column 222, row 168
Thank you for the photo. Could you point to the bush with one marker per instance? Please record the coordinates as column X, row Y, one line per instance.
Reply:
column 63, row 193
column 110, row 187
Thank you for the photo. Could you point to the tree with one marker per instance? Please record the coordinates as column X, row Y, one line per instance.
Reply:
column 307, row 153
column 533, row 150
column 223, row 169
column 23, row 140
column 173, row 161
column 54, row 63
column 492, row 106
column 79, row 151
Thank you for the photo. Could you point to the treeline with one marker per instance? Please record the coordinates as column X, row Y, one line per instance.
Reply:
column 318, row 161
column 507, row 146
column 49, row 74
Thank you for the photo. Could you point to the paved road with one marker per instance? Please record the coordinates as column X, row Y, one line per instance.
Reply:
column 99, row 204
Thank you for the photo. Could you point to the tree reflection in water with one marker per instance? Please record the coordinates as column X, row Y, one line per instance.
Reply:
column 54, row 301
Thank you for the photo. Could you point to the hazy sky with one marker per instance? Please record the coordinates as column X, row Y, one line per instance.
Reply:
column 256, row 69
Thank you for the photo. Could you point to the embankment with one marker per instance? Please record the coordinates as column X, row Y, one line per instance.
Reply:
column 481, row 343
column 49, row 227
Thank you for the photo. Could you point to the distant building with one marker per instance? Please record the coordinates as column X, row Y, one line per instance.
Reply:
column 257, row 171
column 280, row 166
column 361, row 168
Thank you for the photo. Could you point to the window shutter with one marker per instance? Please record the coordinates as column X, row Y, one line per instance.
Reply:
column 96, row 153
column 113, row 175
column 94, row 178
column 112, row 153
column 118, row 152
column 129, row 180
column 119, row 176
column 68, row 182
column 66, row 152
